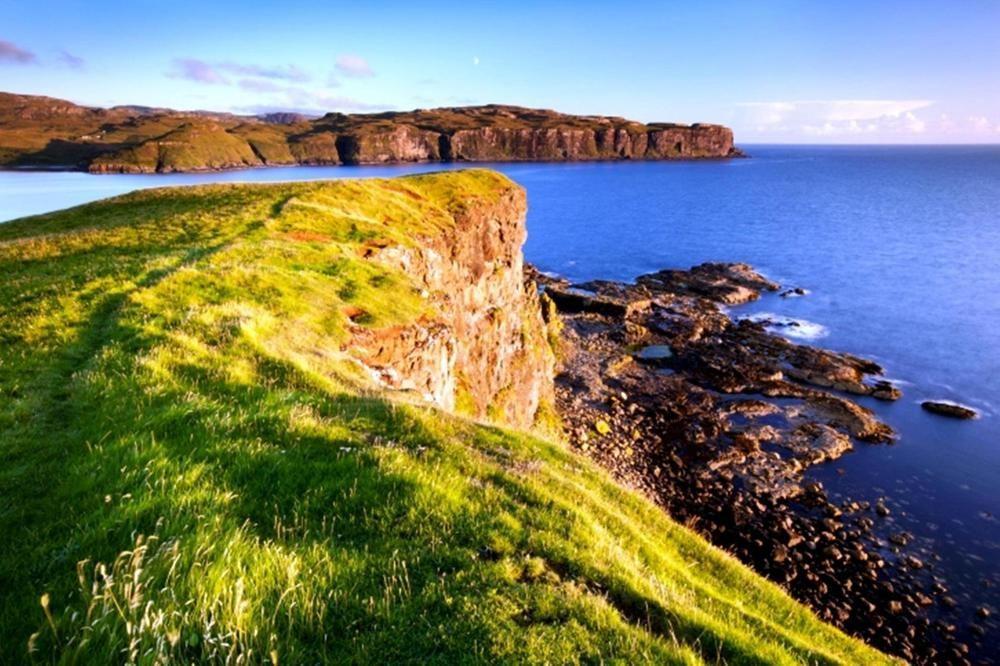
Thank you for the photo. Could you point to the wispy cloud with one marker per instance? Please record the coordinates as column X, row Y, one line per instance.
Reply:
column 904, row 123
column 316, row 107
column 301, row 100
column 834, row 110
column 214, row 73
column 276, row 85
column 982, row 125
column 69, row 60
column 283, row 73
column 837, row 117
column 354, row 66
column 196, row 70
column 14, row 54
column 861, row 121
column 256, row 85
column 320, row 102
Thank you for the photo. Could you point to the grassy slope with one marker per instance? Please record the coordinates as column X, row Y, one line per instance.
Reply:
column 199, row 144
column 190, row 469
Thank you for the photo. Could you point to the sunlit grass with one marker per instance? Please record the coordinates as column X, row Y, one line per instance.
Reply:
column 193, row 472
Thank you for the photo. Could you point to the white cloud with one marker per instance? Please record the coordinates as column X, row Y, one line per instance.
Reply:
column 837, row 117
column 859, row 109
column 256, row 85
column 981, row 124
column 196, row 70
column 354, row 66
column 832, row 111
column 313, row 105
column 202, row 71
column 286, row 73
column 475, row 61
column 913, row 124
column 305, row 99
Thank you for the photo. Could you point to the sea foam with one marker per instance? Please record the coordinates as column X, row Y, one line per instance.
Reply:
column 790, row 327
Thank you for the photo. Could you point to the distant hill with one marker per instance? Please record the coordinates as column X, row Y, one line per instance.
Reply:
column 45, row 132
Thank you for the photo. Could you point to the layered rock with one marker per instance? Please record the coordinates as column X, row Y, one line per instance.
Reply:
column 39, row 131
column 486, row 352
column 393, row 144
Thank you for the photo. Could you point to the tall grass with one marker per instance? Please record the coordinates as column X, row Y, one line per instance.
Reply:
column 192, row 471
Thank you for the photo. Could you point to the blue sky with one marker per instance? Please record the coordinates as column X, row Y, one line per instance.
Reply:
column 816, row 72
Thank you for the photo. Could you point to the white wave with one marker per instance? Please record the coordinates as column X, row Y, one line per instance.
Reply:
column 790, row 327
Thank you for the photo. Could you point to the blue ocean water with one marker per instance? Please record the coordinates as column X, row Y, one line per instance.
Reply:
column 899, row 248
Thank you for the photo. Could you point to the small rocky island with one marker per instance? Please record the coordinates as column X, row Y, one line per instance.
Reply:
column 946, row 408
column 719, row 420
column 43, row 132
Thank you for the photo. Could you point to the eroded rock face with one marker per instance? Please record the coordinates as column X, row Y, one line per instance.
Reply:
column 487, row 352
column 40, row 131
column 400, row 143
column 689, row 141
column 558, row 144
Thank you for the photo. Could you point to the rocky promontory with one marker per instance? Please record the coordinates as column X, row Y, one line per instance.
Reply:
column 237, row 398
column 485, row 354
column 49, row 133
column 720, row 420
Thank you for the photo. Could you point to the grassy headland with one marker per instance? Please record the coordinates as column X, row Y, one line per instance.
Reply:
column 51, row 133
column 193, row 471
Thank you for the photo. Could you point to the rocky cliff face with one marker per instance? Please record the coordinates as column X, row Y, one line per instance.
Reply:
column 486, row 353
column 398, row 143
column 559, row 144
column 38, row 131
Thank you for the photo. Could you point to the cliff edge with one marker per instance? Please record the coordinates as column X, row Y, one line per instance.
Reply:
column 239, row 402
column 51, row 133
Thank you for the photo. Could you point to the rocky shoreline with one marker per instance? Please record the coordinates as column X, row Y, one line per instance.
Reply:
column 719, row 421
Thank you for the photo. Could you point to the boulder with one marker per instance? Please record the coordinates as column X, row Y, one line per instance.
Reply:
column 951, row 409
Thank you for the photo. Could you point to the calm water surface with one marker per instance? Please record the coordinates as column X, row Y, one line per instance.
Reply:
column 899, row 247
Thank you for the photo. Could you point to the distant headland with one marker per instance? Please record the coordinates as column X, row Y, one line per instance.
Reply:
column 47, row 133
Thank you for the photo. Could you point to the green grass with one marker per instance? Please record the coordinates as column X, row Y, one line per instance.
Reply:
column 190, row 147
column 192, row 472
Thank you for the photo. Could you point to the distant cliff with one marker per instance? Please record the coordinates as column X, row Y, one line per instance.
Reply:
column 51, row 133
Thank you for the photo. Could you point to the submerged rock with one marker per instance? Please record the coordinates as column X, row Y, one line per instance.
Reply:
column 655, row 353
column 951, row 409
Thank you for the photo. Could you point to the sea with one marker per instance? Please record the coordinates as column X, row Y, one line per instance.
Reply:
column 897, row 247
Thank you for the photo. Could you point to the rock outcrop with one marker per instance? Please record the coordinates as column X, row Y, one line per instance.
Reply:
column 45, row 132
column 951, row 409
column 720, row 421
column 486, row 353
